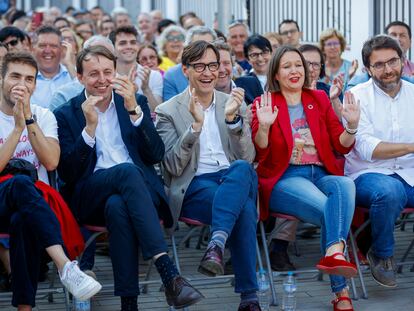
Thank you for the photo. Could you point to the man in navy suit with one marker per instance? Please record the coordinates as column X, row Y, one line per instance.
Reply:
column 108, row 148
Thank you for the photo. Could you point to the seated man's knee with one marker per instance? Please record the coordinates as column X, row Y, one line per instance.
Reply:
column 21, row 182
column 115, row 207
column 242, row 166
column 389, row 194
column 127, row 171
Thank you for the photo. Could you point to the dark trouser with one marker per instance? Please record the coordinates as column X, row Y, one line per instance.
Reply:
column 227, row 200
column 385, row 196
column 120, row 198
column 33, row 227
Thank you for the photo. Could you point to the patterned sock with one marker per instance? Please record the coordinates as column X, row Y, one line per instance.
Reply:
column 218, row 238
column 166, row 269
column 248, row 297
column 279, row 245
column 129, row 303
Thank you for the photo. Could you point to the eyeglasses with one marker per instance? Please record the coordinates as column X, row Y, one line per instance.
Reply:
column 13, row 42
column 254, row 56
column 314, row 65
column 332, row 44
column 201, row 67
column 175, row 38
column 147, row 59
column 393, row 63
column 289, row 32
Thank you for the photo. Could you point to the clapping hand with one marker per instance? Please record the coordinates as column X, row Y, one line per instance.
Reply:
column 90, row 113
column 233, row 103
column 266, row 114
column 144, row 75
column 336, row 87
column 126, row 88
column 196, row 111
column 353, row 69
column 351, row 111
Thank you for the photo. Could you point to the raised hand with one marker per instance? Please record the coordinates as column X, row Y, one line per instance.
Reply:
column 266, row 114
column 233, row 103
column 19, row 119
column 196, row 111
column 125, row 87
column 336, row 87
column 69, row 58
column 353, row 69
column 351, row 111
column 21, row 94
column 144, row 75
column 132, row 75
column 90, row 113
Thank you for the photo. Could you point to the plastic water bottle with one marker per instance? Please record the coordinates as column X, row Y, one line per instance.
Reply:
column 81, row 305
column 289, row 290
column 264, row 290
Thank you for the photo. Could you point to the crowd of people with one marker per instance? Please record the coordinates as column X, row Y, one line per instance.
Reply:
column 231, row 118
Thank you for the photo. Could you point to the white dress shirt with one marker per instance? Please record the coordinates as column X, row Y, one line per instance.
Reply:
column 110, row 148
column 383, row 119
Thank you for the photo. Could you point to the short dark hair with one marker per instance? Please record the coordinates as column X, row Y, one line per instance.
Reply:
column 43, row 30
column 272, row 83
column 289, row 21
column 195, row 51
column 11, row 31
column 124, row 29
column 164, row 23
column 314, row 48
column 257, row 41
column 398, row 23
column 187, row 14
column 97, row 50
column 379, row 42
column 21, row 57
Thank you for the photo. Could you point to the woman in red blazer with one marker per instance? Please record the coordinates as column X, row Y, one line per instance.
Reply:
column 296, row 134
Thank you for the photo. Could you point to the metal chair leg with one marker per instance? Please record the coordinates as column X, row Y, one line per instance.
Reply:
column 269, row 268
column 361, row 277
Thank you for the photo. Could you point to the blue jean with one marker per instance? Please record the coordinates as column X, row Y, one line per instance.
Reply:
column 227, row 200
column 311, row 194
column 385, row 196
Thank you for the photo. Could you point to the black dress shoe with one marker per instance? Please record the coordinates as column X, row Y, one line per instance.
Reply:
column 250, row 306
column 181, row 294
column 212, row 262
column 280, row 261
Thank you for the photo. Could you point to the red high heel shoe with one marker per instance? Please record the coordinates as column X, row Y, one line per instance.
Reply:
column 342, row 298
column 332, row 265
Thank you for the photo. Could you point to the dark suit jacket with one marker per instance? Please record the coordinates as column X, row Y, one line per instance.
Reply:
column 78, row 160
column 252, row 87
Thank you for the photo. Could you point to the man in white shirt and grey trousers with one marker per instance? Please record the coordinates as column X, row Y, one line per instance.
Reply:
column 382, row 161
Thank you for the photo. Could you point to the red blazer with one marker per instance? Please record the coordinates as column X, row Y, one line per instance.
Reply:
column 274, row 160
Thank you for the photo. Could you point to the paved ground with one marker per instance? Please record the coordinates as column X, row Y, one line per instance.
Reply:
column 312, row 295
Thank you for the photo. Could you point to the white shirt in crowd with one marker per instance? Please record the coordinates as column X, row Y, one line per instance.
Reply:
column 212, row 157
column 110, row 148
column 47, row 123
column 383, row 119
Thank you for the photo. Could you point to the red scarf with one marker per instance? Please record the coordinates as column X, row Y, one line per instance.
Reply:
column 69, row 229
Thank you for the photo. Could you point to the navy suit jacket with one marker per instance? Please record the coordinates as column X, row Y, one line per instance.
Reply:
column 78, row 159
column 252, row 87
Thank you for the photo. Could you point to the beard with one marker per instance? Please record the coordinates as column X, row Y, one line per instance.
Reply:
column 388, row 86
column 7, row 99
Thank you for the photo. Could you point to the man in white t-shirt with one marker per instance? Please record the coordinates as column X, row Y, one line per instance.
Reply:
column 29, row 132
column 149, row 82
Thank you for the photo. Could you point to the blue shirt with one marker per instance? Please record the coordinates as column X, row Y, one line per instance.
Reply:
column 65, row 93
column 46, row 87
column 175, row 82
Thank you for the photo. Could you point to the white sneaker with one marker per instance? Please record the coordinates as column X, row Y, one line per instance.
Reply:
column 77, row 282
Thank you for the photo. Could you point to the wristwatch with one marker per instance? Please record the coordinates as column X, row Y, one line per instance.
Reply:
column 136, row 112
column 32, row 120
